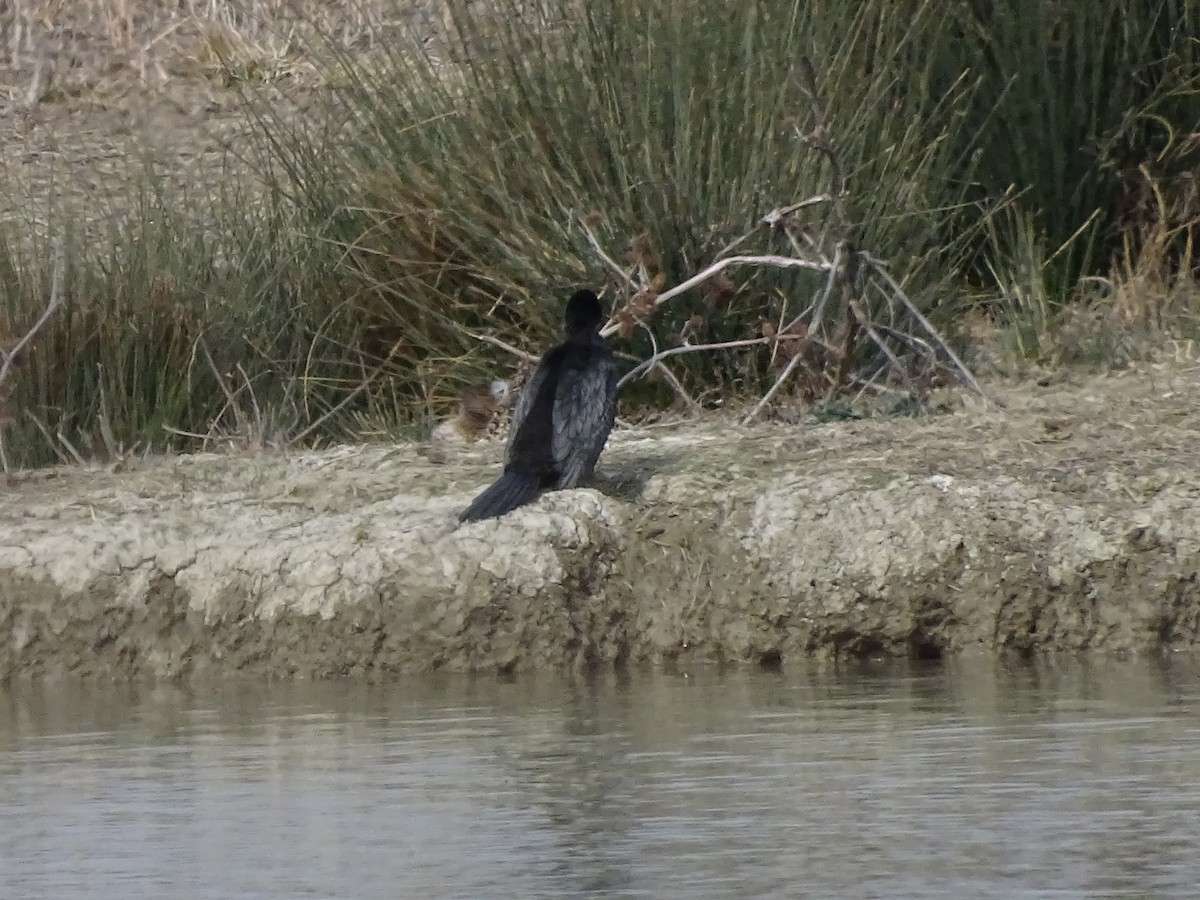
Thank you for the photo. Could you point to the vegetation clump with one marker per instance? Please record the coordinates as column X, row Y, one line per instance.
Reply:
column 923, row 169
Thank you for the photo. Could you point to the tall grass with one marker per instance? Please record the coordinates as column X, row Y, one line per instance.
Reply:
column 440, row 199
column 678, row 123
column 1073, row 98
column 182, row 300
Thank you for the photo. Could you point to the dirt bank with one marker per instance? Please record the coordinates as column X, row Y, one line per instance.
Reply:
column 1069, row 520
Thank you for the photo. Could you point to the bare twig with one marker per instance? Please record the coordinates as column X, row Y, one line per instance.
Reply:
column 848, row 278
column 837, row 273
column 843, row 271
column 827, row 291
column 737, row 242
column 668, row 375
column 883, row 273
column 230, row 396
column 811, row 241
column 10, row 355
column 911, row 340
column 50, row 441
column 646, row 364
column 625, row 276
column 496, row 342
column 773, row 218
column 677, row 386
column 171, row 429
column 833, row 336
column 868, row 384
column 784, row 262
column 866, row 325
column 75, row 454
column 766, row 398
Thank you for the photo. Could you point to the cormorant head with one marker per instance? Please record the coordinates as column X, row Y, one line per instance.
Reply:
column 584, row 312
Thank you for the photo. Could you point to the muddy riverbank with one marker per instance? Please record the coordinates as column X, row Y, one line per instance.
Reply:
column 1067, row 520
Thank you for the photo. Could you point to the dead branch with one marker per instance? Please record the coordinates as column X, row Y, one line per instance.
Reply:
column 775, row 216
column 75, row 454
column 866, row 325
column 772, row 219
column 668, row 375
column 642, row 367
column 836, row 323
column 766, row 398
column 784, row 262
column 677, row 386
column 844, row 270
column 626, row 277
column 826, row 292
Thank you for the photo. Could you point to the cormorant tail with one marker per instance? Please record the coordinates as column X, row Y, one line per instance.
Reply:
column 511, row 490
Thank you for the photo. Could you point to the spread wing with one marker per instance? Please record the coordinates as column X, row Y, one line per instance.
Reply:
column 585, row 408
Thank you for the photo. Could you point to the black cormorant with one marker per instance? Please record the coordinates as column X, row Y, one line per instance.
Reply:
column 562, row 419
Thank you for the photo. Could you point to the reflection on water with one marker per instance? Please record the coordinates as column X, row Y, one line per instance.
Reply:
column 968, row 780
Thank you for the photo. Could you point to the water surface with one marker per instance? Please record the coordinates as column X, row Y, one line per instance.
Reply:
column 967, row 780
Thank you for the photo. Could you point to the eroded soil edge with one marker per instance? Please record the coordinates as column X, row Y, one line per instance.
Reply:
column 1065, row 521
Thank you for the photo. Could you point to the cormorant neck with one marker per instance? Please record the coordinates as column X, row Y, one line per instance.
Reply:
column 581, row 333
column 583, row 316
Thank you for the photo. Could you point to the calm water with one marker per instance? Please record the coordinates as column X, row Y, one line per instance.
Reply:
column 963, row 781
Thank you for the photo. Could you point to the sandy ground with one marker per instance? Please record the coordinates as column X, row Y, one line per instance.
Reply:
column 91, row 90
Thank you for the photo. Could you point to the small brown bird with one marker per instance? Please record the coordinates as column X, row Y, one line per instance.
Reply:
column 479, row 409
